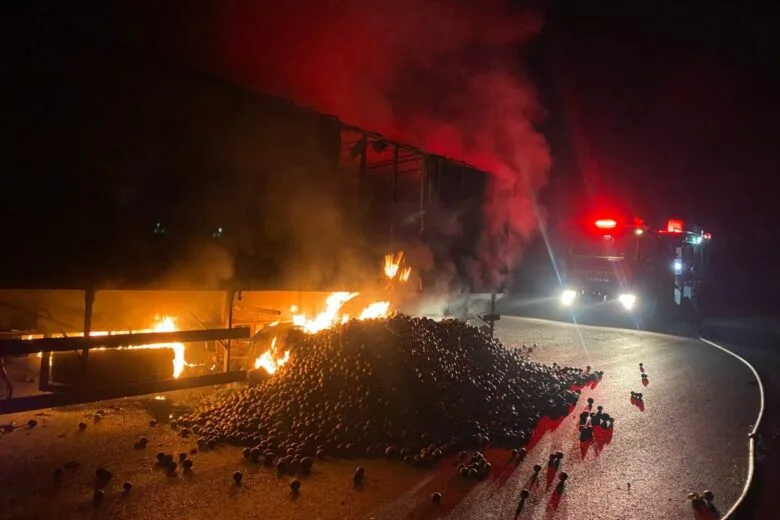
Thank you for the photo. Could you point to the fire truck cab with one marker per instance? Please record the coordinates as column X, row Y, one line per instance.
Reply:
column 631, row 267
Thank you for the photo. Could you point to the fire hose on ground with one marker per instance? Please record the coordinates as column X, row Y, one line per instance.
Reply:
column 752, row 436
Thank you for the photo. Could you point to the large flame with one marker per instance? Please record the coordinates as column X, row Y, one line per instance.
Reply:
column 269, row 361
column 168, row 324
column 394, row 268
column 374, row 311
column 161, row 324
column 330, row 317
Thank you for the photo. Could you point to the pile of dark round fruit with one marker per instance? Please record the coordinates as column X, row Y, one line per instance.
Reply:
column 399, row 387
column 476, row 466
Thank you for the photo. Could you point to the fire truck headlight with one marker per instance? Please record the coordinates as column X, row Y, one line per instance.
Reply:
column 677, row 266
column 627, row 301
column 568, row 296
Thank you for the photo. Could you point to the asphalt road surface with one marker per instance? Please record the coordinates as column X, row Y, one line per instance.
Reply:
column 690, row 435
column 756, row 340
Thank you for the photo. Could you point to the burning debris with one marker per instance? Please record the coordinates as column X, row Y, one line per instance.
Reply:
column 161, row 324
column 273, row 358
column 399, row 387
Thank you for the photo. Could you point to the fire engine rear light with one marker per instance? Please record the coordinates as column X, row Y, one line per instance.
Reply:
column 707, row 236
column 606, row 223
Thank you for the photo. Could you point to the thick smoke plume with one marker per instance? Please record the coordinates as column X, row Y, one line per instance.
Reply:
column 444, row 75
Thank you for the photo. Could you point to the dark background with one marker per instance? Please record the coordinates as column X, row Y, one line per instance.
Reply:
column 668, row 107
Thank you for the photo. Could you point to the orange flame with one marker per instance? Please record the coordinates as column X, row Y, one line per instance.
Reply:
column 394, row 268
column 270, row 362
column 374, row 311
column 168, row 324
column 162, row 324
column 330, row 317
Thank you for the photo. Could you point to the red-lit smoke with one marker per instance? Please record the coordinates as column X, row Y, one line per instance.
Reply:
column 444, row 75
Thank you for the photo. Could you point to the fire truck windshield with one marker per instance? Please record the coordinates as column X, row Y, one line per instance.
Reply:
column 604, row 247
column 603, row 265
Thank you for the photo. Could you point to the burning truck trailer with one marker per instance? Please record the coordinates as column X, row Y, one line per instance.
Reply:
column 103, row 365
column 128, row 364
column 431, row 208
column 421, row 210
column 99, row 364
column 624, row 266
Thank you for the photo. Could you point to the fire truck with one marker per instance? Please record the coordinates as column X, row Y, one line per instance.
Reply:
column 623, row 264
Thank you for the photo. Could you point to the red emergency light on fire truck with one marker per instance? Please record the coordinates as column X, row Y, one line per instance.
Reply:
column 632, row 266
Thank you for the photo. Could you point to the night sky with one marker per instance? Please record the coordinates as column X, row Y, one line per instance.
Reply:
column 671, row 110
column 679, row 104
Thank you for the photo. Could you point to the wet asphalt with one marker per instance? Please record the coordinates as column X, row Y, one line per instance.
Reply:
column 689, row 435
